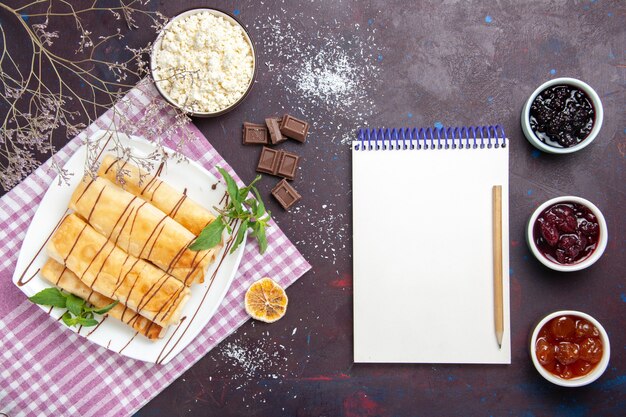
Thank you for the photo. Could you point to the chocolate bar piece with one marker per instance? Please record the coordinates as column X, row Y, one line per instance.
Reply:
column 294, row 128
column 281, row 163
column 286, row 195
column 269, row 160
column 288, row 165
column 254, row 134
column 273, row 125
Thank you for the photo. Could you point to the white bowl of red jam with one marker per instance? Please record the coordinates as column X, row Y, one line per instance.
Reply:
column 570, row 348
column 562, row 116
column 567, row 233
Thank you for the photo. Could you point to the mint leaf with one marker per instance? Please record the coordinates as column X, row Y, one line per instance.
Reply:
column 75, row 305
column 261, row 238
column 77, row 310
column 50, row 297
column 86, row 322
column 258, row 231
column 252, row 203
column 243, row 193
column 106, row 309
column 68, row 319
column 231, row 187
column 259, row 210
column 240, row 235
column 209, row 236
column 249, row 210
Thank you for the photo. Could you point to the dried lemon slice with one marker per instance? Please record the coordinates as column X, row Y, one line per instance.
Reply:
column 266, row 300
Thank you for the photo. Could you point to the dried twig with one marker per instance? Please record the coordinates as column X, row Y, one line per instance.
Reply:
column 35, row 100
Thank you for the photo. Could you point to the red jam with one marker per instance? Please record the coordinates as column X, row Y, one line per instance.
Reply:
column 562, row 116
column 569, row 346
column 566, row 233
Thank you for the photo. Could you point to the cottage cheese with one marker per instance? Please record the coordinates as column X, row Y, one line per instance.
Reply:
column 204, row 62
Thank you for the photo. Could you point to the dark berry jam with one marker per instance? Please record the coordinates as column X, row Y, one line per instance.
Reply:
column 569, row 346
column 566, row 233
column 562, row 116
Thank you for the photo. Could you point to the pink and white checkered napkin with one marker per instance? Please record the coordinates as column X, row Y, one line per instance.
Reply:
column 47, row 370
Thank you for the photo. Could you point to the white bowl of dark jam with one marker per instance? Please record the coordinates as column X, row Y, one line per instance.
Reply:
column 562, row 116
column 570, row 348
column 567, row 233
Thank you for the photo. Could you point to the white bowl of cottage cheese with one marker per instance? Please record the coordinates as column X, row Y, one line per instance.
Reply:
column 203, row 62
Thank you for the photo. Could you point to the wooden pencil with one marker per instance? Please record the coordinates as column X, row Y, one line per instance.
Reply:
column 497, row 263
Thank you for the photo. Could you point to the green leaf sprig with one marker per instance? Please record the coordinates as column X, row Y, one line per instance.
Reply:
column 78, row 312
column 246, row 208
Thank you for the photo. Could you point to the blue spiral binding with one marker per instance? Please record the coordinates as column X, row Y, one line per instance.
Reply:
column 463, row 137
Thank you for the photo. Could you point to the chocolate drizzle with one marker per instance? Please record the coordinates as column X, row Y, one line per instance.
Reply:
column 154, row 178
column 131, row 321
column 182, row 320
column 163, row 354
column 95, row 204
column 74, row 245
column 178, row 204
column 21, row 281
column 124, row 313
column 178, row 256
column 160, row 282
column 117, row 161
column 194, row 264
column 156, row 189
column 30, row 278
column 130, row 293
column 97, row 326
column 151, row 235
column 61, row 275
column 121, row 281
column 172, row 302
column 94, row 258
column 224, row 199
column 162, row 226
column 126, row 345
column 85, row 190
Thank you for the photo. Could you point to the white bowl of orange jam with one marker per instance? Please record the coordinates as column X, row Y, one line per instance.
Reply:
column 570, row 348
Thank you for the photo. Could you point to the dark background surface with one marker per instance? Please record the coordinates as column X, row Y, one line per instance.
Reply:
column 393, row 63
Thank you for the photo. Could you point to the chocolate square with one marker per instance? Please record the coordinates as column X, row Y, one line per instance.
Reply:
column 288, row 165
column 273, row 126
column 255, row 134
column 294, row 128
column 269, row 160
column 286, row 195
column 281, row 163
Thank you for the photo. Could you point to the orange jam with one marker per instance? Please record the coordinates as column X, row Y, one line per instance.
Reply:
column 569, row 346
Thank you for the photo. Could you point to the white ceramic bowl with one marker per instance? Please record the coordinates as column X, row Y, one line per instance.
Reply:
column 157, row 45
column 597, row 106
column 581, row 380
column 584, row 263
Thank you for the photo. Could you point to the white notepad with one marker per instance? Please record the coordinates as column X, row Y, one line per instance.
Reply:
column 423, row 250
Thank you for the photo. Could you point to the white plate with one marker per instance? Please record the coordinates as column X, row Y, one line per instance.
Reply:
column 113, row 334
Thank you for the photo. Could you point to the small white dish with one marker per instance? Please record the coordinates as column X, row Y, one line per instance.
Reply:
column 584, row 263
column 581, row 380
column 595, row 101
column 157, row 46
